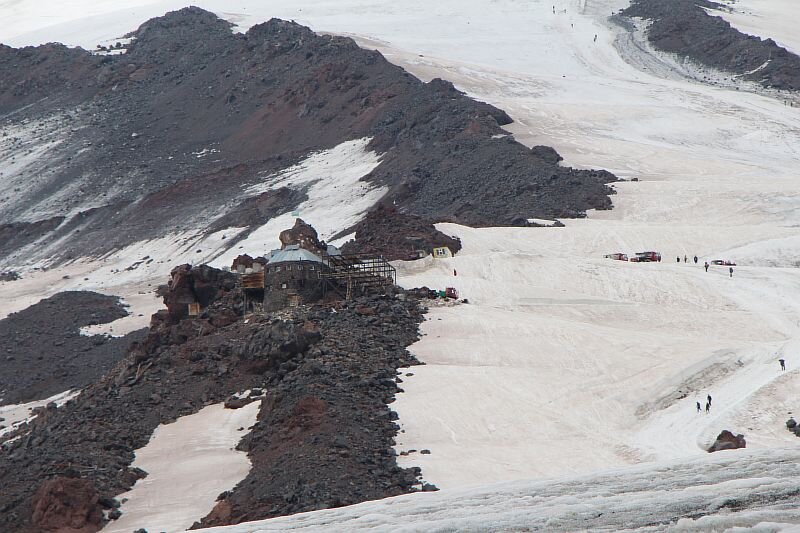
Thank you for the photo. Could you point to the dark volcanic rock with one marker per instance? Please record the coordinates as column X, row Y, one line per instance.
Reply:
column 43, row 353
column 728, row 441
column 193, row 114
column 324, row 434
column 187, row 285
column 324, row 431
column 395, row 235
column 684, row 27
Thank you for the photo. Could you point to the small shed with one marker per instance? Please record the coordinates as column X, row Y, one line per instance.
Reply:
column 442, row 252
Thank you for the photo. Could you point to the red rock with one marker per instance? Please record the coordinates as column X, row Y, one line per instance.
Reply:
column 67, row 505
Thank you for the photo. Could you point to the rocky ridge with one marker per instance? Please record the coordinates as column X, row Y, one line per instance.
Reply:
column 687, row 28
column 324, row 434
column 166, row 136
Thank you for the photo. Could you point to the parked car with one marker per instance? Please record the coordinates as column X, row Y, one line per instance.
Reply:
column 646, row 257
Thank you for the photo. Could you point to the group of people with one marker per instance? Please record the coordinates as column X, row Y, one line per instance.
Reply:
column 708, row 404
column 705, row 265
column 781, row 361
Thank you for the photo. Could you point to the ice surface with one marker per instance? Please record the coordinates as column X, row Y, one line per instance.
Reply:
column 719, row 491
column 189, row 463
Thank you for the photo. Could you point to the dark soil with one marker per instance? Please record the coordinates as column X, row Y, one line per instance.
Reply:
column 685, row 28
column 42, row 352
column 324, row 433
column 138, row 124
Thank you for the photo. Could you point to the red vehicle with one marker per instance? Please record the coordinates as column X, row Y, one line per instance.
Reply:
column 451, row 292
column 617, row 256
column 646, row 257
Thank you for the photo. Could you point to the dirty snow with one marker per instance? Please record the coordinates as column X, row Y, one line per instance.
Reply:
column 644, row 498
column 189, row 463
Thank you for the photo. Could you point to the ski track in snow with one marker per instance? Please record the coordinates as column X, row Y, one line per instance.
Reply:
column 564, row 363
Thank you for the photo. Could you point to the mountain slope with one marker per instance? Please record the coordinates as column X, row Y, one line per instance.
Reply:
column 104, row 150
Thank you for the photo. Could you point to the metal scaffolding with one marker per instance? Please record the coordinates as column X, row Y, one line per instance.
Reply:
column 349, row 274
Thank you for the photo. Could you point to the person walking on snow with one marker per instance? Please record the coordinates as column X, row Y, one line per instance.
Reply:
column 695, row 260
column 698, row 407
column 706, row 265
column 709, row 399
column 731, row 271
column 685, row 259
column 783, row 364
column 679, row 259
column 708, row 407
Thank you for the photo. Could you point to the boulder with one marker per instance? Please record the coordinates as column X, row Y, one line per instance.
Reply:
column 67, row 505
column 302, row 235
column 727, row 441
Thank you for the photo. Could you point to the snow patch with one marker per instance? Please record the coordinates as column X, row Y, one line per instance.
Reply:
column 189, row 463
column 19, row 414
column 337, row 198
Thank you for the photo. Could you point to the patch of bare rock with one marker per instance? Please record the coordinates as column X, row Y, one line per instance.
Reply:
column 43, row 353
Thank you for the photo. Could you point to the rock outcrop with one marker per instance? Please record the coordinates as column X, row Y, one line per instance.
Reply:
column 686, row 28
column 324, row 434
column 302, row 235
column 727, row 441
column 67, row 505
column 394, row 235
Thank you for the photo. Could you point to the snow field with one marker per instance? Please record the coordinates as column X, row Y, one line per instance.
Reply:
column 560, row 349
column 189, row 463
